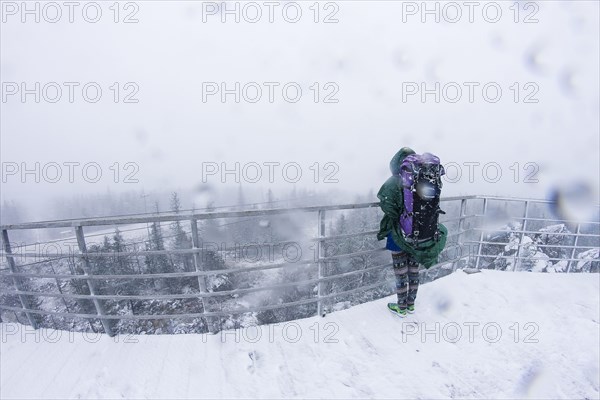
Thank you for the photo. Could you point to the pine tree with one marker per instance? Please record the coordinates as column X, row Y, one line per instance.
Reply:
column 268, row 222
column 122, row 264
column 181, row 240
column 158, row 263
column 242, row 230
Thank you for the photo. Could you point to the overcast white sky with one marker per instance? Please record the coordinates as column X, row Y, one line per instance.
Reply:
column 368, row 55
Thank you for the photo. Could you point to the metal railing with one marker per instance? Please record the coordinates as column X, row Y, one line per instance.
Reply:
column 469, row 245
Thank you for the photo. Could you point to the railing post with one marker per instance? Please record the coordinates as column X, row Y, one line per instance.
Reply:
column 578, row 231
column 523, row 228
column 199, row 268
column 85, row 265
column 320, row 247
column 481, row 234
column 16, row 281
column 463, row 208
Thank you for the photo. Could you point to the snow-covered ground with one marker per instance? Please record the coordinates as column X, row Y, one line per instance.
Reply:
column 523, row 335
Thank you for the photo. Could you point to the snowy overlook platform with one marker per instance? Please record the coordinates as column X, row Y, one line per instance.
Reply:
column 484, row 335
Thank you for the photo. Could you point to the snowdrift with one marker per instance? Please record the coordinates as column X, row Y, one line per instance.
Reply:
column 484, row 335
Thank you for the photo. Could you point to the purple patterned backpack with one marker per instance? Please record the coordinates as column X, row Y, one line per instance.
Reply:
column 421, row 177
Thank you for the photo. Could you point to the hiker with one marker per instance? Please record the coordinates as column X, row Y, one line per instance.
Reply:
column 410, row 203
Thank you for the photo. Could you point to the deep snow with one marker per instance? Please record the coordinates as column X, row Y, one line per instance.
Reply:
column 362, row 352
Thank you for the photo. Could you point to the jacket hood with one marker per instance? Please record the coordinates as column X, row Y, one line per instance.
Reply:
column 398, row 158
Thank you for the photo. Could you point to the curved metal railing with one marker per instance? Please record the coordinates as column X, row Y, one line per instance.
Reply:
column 466, row 247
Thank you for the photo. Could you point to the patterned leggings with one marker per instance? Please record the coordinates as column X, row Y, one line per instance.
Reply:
column 406, row 270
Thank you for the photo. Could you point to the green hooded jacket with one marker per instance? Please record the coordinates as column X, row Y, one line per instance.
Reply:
column 391, row 202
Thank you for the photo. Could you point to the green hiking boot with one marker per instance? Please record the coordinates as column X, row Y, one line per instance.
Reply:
column 393, row 307
column 410, row 308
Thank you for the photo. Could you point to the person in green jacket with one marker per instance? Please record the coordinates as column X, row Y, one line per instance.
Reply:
column 405, row 259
